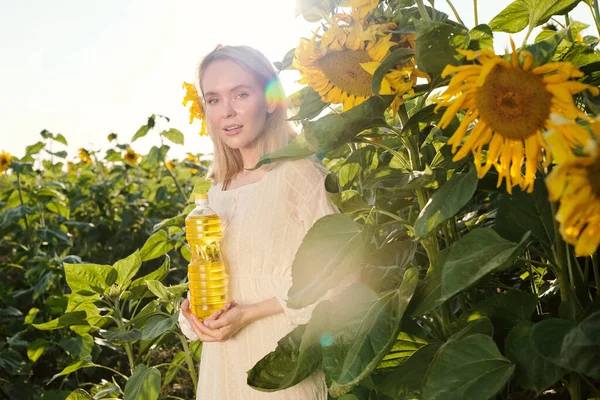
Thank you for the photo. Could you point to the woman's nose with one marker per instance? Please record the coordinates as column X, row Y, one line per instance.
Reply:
column 227, row 111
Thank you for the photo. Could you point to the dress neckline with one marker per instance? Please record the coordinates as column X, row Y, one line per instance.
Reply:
column 246, row 185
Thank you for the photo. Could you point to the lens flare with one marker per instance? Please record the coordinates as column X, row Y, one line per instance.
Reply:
column 326, row 339
column 273, row 93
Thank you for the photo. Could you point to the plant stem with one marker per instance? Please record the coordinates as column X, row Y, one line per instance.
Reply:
column 423, row 10
column 190, row 362
column 405, row 163
column 596, row 273
column 29, row 239
column 559, row 258
column 126, row 346
column 575, row 386
column 162, row 158
column 568, row 26
column 475, row 14
column 458, row 19
column 529, row 30
column 596, row 14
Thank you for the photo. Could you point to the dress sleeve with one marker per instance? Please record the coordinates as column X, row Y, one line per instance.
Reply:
column 309, row 202
column 186, row 327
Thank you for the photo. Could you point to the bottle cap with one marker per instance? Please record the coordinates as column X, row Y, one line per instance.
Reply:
column 201, row 196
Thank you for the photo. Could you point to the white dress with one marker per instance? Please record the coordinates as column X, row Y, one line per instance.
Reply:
column 264, row 224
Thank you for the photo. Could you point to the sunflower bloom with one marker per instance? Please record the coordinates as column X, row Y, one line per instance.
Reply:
column 509, row 104
column 5, row 160
column 131, row 157
column 84, row 156
column 574, row 182
column 340, row 66
column 196, row 109
column 360, row 8
column 170, row 165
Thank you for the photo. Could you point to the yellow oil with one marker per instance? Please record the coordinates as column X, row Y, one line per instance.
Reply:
column 206, row 271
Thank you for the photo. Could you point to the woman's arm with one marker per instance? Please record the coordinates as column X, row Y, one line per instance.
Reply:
column 232, row 320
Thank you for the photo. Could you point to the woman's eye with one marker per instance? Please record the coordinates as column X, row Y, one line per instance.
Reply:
column 242, row 95
column 212, row 101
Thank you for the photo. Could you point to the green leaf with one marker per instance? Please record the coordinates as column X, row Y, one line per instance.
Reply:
column 88, row 278
column 544, row 50
column 332, row 131
column 143, row 131
column 60, row 139
column 546, row 338
column 581, row 347
column 580, row 54
column 156, row 246
column 522, row 212
column 429, row 292
column 298, row 354
column 405, row 381
column 512, row 19
column 79, row 394
column 166, row 293
column 34, row 148
column 175, row 366
column 333, row 247
column 424, row 115
column 296, row 149
column 521, row 13
column 36, row 349
column 51, row 235
column 398, row 56
column 138, row 287
column 468, row 369
column 13, row 215
column 481, row 38
column 532, row 371
column 475, row 255
column 127, row 268
column 174, row 135
column 445, row 38
column 79, row 346
column 143, row 384
column 120, row 337
column 310, row 102
column 446, row 202
column 157, row 325
column 68, row 319
column 77, row 365
column 365, row 329
column 479, row 325
column 200, row 187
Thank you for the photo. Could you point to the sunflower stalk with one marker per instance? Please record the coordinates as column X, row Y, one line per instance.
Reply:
column 29, row 239
column 568, row 25
column 423, row 10
column 189, row 361
column 596, row 273
column 475, row 14
column 458, row 19
column 595, row 8
column 164, row 162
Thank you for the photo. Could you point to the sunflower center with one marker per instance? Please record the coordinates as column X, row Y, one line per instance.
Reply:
column 343, row 69
column 513, row 102
column 593, row 172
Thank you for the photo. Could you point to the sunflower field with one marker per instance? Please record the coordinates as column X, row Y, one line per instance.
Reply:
column 468, row 182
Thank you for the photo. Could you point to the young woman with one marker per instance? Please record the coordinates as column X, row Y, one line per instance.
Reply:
column 265, row 214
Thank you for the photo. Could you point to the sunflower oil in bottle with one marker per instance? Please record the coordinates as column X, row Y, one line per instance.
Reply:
column 206, row 270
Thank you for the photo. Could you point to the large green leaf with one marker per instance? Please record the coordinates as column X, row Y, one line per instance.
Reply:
column 138, row 287
column 468, row 369
column 521, row 13
column 156, row 246
column 89, row 278
column 429, row 292
column 36, row 349
column 332, row 249
column 475, row 255
column 365, row 328
column 396, row 179
column 157, row 325
column 120, row 337
column 310, row 102
column 297, row 356
column 68, row 319
column 398, row 56
column 173, row 135
column 532, row 371
column 546, row 338
column 143, row 384
column 35, row 148
column 581, row 347
column 143, row 131
column 77, row 365
column 405, row 381
column 445, row 38
column 79, row 346
column 543, row 51
column 127, row 268
column 79, row 394
column 506, row 309
column 446, row 202
column 522, row 212
column 296, row 149
column 332, row 131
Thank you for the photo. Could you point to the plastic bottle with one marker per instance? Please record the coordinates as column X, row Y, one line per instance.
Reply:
column 206, row 270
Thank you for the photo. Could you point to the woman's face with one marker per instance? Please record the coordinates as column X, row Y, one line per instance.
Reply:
column 235, row 103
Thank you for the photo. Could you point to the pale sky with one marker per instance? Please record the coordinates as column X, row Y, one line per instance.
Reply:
column 86, row 69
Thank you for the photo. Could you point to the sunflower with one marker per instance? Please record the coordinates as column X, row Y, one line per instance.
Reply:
column 84, row 156
column 510, row 105
column 5, row 160
column 170, row 165
column 196, row 109
column 131, row 157
column 574, row 182
column 340, row 66
column 360, row 8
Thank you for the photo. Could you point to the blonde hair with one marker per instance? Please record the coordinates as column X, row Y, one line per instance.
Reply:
column 278, row 132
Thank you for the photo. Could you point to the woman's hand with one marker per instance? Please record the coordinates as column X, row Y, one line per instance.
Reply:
column 203, row 333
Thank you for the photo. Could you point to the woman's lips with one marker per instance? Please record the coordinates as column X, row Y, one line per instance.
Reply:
column 233, row 130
